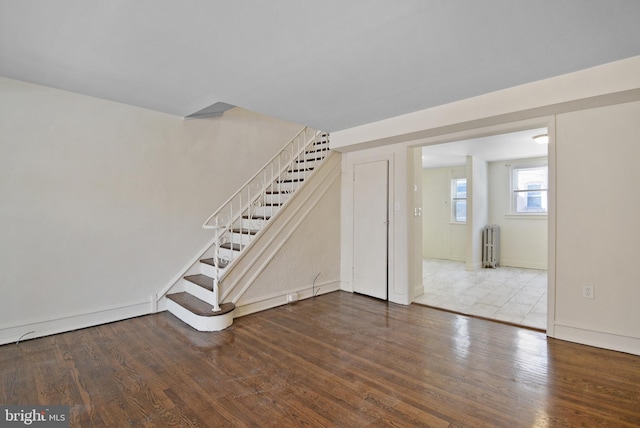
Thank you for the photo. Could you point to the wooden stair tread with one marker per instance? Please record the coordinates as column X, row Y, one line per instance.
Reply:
column 234, row 247
column 245, row 231
column 257, row 217
column 209, row 262
column 278, row 192
column 203, row 281
column 321, row 150
column 307, row 169
column 290, row 180
column 197, row 306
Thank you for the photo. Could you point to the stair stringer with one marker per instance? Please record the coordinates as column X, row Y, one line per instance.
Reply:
column 244, row 272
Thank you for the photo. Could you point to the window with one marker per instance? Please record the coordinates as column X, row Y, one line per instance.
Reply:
column 459, row 200
column 529, row 185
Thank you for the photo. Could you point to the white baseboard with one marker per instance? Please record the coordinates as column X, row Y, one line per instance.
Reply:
column 281, row 299
column 599, row 339
column 75, row 322
column 523, row 265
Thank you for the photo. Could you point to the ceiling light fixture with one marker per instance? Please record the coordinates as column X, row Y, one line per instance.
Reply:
column 541, row 139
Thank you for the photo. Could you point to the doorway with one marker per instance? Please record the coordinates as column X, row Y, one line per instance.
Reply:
column 371, row 228
column 516, row 291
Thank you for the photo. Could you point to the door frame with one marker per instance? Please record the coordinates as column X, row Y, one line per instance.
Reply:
column 544, row 121
column 349, row 160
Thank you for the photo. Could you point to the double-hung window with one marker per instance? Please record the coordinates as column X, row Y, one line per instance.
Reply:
column 459, row 200
column 529, row 184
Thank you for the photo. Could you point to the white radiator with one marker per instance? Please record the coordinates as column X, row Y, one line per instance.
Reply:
column 491, row 246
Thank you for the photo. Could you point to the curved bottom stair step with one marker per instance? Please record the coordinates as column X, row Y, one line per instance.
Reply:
column 199, row 314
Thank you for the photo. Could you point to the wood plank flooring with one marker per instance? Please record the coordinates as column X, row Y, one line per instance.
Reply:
column 336, row 360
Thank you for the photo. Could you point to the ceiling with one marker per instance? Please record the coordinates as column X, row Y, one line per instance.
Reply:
column 515, row 145
column 330, row 64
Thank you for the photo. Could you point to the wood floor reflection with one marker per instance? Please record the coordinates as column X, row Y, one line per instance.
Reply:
column 337, row 360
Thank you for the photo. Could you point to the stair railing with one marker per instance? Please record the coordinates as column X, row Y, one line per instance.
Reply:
column 227, row 220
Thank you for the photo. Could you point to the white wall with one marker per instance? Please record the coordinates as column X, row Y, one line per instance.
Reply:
column 612, row 320
column 102, row 202
column 523, row 239
column 598, row 238
column 441, row 239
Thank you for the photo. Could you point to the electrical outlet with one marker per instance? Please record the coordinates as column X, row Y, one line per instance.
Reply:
column 588, row 292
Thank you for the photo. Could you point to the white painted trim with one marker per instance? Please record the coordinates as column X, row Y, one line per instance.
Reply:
column 281, row 299
column 617, row 341
column 304, row 290
column 522, row 265
column 74, row 322
column 551, row 227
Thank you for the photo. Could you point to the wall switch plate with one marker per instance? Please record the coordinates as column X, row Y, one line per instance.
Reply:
column 588, row 292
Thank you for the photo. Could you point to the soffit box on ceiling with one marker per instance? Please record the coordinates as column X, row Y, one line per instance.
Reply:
column 214, row 110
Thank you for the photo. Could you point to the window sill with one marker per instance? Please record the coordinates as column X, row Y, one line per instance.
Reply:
column 526, row 216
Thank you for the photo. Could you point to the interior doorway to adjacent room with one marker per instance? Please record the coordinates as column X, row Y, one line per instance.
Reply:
column 508, row 176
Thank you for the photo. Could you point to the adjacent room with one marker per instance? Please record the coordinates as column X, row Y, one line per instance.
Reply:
column 511, row 283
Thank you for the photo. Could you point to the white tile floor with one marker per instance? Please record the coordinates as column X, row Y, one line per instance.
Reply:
column 508, row 294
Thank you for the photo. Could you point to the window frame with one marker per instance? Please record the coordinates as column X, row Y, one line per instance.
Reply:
column 455, row 198
column 513, row 191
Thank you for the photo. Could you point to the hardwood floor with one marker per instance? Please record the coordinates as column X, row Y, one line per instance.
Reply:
column 337, row 360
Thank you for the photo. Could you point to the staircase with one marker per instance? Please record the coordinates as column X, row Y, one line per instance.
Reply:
column 195, row 298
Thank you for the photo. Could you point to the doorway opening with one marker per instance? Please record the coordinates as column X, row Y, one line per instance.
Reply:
column 466, row 185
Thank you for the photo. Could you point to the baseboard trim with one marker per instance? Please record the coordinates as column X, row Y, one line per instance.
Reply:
column 281, row 298
column 523, row 265
column 599, row 339
column 75, row 322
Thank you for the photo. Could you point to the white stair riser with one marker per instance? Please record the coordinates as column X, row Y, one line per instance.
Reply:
column 201, row 293
column 254, row 223
column 198, row 322
column 277, row 198
column 307, row 164
column 311, row 156
column 320, row 145
column 209, row 270
column 285, row 187
column 297, row 175
column 238, row 238
column 267, row 211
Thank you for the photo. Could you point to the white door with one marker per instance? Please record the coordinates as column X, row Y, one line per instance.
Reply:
column 370, row 228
